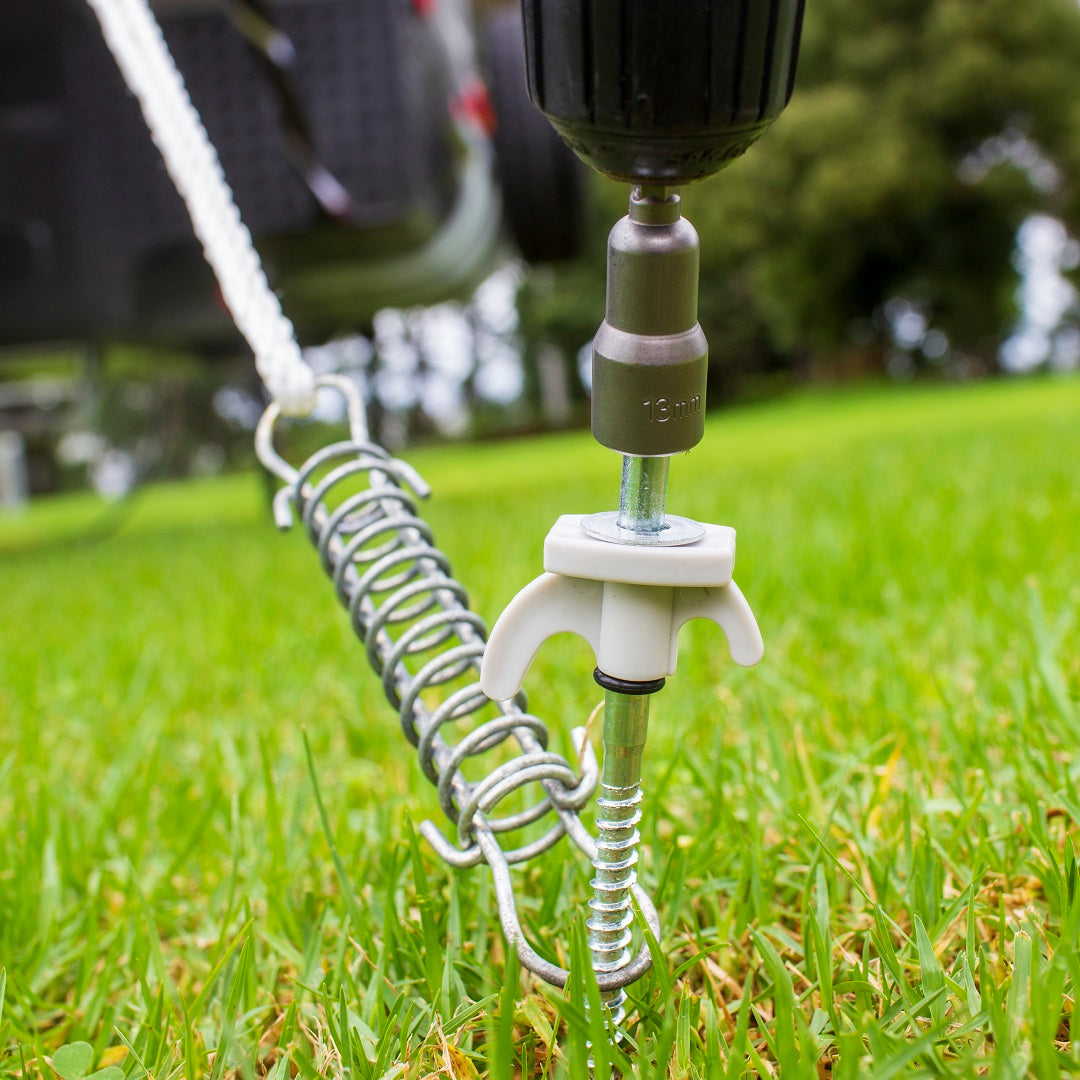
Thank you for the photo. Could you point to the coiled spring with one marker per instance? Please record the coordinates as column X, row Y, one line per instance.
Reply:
column 426, row 645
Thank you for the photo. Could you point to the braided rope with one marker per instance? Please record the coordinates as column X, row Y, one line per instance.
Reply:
column 135, row 40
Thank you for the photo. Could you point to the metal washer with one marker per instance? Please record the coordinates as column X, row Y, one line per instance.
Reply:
column 676, row 532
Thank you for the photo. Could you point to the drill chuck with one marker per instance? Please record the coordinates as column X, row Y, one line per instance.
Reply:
column 650, row 356
column 661, row 92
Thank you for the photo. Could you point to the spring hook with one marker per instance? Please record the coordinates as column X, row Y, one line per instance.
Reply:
column 358, row 507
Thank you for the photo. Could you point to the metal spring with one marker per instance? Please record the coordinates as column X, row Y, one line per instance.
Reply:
column 404, row 605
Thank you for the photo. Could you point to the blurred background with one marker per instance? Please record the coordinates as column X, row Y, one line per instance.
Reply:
column 913, row 216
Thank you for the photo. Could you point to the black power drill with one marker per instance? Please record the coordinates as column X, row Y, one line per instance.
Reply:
column 657, row 94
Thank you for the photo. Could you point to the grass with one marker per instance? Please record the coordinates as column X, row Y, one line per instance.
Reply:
column 863, row 851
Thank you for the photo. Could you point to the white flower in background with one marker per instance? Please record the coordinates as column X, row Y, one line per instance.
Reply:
column 80, row 448
column 114, row 475
column 1044, row 335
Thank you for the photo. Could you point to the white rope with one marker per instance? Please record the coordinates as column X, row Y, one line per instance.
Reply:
column 135, row 40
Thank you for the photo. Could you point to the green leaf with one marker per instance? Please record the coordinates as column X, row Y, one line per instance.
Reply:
column 339, row 867
column 1016, row 1008
column 784, row 998
column 232, row 1007
column 688, row 1010
column 429, row 926
column 502, row 1064
column 974, row 998
column 740, row 1044
column 73, row 1061
column 933, row 978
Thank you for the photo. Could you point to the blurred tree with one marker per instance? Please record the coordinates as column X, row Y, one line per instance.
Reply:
column 921, row 134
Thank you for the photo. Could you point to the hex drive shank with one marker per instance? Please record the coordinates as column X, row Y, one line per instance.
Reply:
column 650, row 356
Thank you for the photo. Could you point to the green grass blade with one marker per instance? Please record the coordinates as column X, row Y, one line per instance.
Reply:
column 502, row 1059
column 232, row 1007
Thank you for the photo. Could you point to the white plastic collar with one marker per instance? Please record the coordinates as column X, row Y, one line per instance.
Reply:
column 627, row 602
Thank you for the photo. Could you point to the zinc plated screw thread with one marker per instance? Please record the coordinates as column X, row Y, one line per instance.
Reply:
column 626, row 720
column 609, row 927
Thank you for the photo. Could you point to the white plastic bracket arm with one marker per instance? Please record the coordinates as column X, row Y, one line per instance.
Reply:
column 627, row 601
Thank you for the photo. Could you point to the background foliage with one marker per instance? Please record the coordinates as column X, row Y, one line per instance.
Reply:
column 921, row 135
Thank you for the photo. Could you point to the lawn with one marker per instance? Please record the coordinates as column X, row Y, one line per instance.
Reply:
column 863, row 850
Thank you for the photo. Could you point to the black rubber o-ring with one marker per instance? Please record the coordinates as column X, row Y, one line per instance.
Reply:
column 627, row 686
